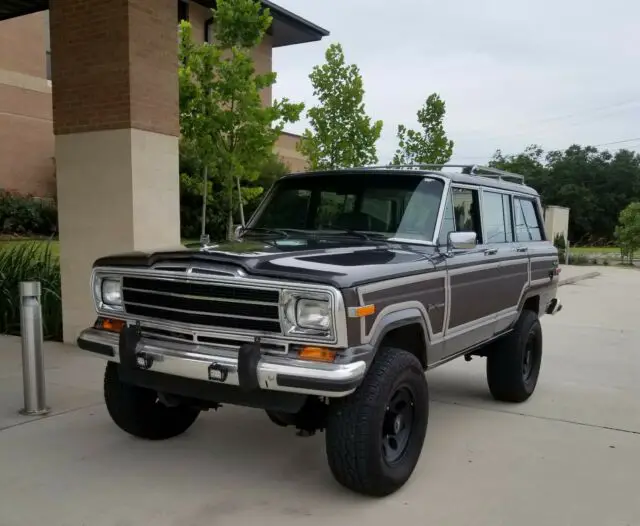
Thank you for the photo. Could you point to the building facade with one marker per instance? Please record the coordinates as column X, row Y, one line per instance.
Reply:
column 27, row 160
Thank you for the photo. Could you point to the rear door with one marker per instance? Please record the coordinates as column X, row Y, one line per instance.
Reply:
column 513, row 265
column 531, row 239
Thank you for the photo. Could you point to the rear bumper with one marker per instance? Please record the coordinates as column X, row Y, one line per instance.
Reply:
column 554, row 306
column 225, row 367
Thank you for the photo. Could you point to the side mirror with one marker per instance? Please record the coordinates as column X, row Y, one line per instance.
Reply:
column 462, row 240
column 236, row 232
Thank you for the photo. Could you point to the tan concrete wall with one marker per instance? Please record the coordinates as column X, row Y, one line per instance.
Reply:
column 26, row 128
column 137, row 170
column 286, row 149
column 556, row 221
column 22, row 45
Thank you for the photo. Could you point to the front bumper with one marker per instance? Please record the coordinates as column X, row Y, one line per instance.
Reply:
column 227, row 367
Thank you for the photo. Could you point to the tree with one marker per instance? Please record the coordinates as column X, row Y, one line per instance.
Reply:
column 595, row 185
column 429, row 145
column 222, row 117
column 628, row 231
column 341, row 134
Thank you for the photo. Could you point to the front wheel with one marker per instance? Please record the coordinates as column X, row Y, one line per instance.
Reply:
column 375, row 436
column 513, row 363
column 139, row 412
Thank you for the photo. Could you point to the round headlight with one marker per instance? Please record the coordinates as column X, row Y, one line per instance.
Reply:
column 313, row 314
column 111, row 292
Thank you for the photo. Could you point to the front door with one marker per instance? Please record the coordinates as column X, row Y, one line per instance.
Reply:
column 471, row 275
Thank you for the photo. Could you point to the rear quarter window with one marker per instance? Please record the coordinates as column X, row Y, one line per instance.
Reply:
column 528, row 225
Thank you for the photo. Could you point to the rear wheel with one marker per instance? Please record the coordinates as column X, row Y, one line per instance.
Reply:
column 513, row 363
column 375, row 436
column 139, row 411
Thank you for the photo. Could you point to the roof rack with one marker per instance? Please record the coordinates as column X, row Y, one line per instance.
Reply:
column 467, row 169
column 482, row 171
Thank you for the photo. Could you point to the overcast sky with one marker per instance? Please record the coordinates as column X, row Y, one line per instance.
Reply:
column 512, row 72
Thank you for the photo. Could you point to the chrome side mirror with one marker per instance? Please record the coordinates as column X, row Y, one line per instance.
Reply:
column 237, row 231
column 462, row 240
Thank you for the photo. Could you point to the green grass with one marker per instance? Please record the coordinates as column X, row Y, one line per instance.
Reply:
column 594, row 250
column 30, row 262
column 40, row 244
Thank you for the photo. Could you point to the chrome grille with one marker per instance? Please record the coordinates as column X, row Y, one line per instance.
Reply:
column 209, row 305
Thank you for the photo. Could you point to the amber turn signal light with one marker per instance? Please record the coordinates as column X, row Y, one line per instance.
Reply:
column 107, row 324
column 317, row 354
column 362, row 312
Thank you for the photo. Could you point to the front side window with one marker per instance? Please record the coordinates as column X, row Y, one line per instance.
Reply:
column 391, row 206
column 528, row 226
column 461, row 214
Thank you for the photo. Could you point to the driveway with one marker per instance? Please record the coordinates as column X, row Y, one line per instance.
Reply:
column 569, row 456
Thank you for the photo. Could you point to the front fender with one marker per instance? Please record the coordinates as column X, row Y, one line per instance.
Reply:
column 390, row 321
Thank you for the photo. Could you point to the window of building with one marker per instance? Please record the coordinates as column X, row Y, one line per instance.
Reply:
column 496, row 216
column 528, row 227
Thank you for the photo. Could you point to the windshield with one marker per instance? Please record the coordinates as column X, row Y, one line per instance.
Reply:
column 391, row 206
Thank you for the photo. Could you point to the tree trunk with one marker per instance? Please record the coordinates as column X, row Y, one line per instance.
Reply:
column 230, row 219
column 203, row 231
column 240, row 203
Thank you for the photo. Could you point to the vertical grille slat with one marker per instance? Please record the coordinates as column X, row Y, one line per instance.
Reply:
column 209, row 305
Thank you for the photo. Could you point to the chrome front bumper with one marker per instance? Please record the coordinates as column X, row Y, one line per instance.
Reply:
column 199, row 362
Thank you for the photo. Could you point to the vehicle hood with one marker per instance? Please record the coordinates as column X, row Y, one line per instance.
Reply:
column 340, row 263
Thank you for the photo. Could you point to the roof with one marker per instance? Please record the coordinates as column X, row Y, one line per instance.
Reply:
column 454, row 177
column 287, row 28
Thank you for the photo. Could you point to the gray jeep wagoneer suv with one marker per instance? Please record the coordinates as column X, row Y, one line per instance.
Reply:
column 326, row 311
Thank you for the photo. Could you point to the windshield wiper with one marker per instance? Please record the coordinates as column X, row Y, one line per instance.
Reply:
column 264, row 231
column 376, row 236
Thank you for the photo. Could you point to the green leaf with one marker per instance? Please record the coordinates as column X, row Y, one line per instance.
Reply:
column 429, row 145
column 341, row 133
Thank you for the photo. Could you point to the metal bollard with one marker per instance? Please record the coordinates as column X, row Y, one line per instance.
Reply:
column 32, row 343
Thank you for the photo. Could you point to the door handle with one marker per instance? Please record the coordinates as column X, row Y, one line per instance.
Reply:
column 521, row 249
column 491, row 252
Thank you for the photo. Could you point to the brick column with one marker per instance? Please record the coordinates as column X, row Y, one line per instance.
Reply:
column 115, row 110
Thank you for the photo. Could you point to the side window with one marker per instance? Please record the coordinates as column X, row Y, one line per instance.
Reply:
column 466, row 211
column 508, row 216
column 527, row 224
column 448, row 221
column 496, row 216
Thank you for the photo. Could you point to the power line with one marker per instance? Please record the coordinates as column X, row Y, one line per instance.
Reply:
column 618, row 142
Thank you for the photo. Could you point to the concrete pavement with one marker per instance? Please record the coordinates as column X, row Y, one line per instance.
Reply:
column 569, row 456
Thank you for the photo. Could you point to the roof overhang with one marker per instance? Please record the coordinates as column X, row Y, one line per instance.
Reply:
column 287, row 28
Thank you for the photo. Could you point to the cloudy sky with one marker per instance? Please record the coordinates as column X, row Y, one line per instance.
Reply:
column 512, row 72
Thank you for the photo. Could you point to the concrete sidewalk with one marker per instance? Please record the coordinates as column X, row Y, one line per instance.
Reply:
column 571, row 455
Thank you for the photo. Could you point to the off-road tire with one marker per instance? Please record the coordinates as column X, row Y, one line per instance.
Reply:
column 509, row 379
column 354, row 437
column 139, row 412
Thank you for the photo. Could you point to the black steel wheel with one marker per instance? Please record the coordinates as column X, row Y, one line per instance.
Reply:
column 513, row 363
column 397, row 425
column 375, row 436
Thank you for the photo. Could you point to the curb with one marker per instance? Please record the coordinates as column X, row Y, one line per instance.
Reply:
column 575, row 279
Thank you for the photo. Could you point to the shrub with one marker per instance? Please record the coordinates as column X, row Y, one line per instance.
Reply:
column 25, row 214
column 559, row 242
column 578, row 259
column 30, row 261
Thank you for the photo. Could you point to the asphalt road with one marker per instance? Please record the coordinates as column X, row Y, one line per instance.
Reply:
column 569, row 456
